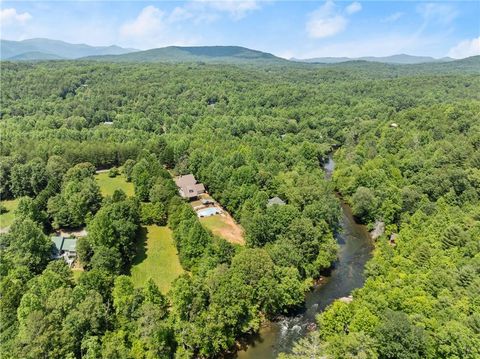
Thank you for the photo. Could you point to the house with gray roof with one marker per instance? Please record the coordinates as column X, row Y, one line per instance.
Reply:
column 188, row 187
column 275, row 201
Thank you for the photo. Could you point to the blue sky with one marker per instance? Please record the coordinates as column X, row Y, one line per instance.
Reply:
column 299, row 29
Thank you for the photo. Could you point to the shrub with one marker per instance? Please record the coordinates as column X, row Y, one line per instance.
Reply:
column 113, row 172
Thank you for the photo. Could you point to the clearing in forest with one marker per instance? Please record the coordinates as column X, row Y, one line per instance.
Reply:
column 6, row 219
column 108, row 185
column 156, row 258
column 222, row 225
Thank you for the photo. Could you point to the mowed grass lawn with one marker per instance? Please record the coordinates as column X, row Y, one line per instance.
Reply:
column 6, row 219
column 214, row 223
column 156, row 258
column 108, row 185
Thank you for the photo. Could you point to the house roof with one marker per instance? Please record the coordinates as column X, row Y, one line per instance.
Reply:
column 65, row 244
column 185, row 181
column 188, row 186
column 275, row 200
column 200, row 187
column 57, row 241
column 69, row 244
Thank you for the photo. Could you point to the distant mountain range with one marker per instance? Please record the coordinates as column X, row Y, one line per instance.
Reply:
column 34, row 56
column 401, row 59
column 207, row 54
column 46, row 49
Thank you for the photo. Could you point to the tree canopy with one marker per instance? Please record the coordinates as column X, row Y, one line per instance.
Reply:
column 249, row 134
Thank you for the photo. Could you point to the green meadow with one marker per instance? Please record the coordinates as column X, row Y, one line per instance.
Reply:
column 108, row 185
column 6, row 219
column 156, row 258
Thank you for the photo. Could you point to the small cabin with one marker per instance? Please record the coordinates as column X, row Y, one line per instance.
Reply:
column 65, row 248
column 275, row 201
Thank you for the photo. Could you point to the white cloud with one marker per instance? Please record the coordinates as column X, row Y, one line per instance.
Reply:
column 194, row 11
column 206, row 11
column 180, row 14
column 438, row 13
column 393, row 17
column 319, row 27
column 236, row 9
column 465, row 48
column 353, row 8
column 325, row 21
column 328, row 20
column 149, row 21
column 155, row 28
column 11, row 16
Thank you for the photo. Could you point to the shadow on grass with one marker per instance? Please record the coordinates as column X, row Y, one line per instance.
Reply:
column 141, row 247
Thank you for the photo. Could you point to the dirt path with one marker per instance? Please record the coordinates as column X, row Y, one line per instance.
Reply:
column 4, row 230
column 232, row 231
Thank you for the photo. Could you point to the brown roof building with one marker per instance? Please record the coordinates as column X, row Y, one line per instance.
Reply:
column 188, row 186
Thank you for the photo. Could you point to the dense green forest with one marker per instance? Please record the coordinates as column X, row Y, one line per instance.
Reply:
column 249, row 134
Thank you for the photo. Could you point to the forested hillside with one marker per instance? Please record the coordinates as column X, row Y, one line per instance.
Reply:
column 249, row 134
column 421, row 297
column 204, row 54
column 394, row 59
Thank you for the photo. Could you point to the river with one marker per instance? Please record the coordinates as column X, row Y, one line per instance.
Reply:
column 355, row 249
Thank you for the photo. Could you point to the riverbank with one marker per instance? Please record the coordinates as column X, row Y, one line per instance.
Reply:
column 355, row 249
